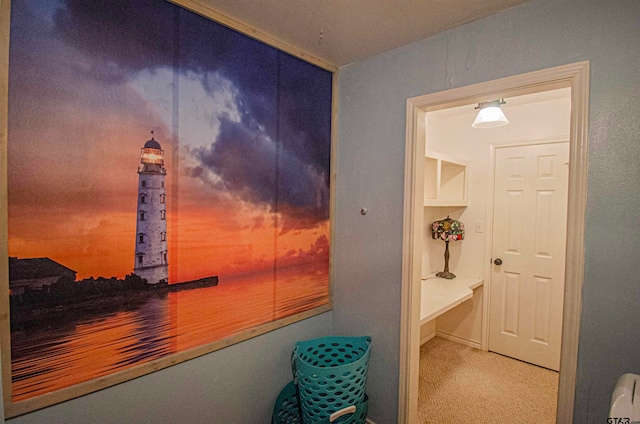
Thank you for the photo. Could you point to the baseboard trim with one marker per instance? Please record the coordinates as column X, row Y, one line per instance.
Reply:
column 457, row 339
column 428, row 337
column 368, row 421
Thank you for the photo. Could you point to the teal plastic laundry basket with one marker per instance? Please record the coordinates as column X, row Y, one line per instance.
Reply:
column 287, row 410
column 287, row 407
column 331, row 373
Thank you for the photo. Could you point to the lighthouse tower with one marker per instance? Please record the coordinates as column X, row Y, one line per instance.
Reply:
column 151, row 225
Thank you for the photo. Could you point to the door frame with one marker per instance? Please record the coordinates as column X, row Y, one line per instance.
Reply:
column 488, row 252
column 576, row 76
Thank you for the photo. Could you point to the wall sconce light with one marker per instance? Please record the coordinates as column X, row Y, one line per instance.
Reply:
column 490, row 115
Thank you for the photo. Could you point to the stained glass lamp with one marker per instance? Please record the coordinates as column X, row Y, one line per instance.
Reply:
column 447, row 230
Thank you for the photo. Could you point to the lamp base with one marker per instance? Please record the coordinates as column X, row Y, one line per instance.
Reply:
column 446, row 274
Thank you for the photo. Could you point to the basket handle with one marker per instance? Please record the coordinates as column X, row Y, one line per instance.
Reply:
column 293, row 368
column 344, row 411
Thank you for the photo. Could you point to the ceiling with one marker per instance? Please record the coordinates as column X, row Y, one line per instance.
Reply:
column 340, row 32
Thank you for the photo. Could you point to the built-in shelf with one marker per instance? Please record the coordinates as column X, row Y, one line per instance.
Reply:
column 446, row 180
column 439, row 295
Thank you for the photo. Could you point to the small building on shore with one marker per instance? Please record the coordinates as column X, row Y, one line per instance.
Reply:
column 35, row 273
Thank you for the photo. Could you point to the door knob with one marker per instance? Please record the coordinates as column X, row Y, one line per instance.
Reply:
column 498, row 261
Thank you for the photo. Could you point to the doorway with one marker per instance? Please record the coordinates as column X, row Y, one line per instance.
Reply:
column 574, row 76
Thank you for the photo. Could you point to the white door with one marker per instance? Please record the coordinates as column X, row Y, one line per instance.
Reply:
column 529, row 238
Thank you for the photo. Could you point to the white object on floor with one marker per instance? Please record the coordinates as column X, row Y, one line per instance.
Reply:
column 625, row 401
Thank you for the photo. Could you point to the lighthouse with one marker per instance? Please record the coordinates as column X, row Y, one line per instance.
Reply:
column 151, row 224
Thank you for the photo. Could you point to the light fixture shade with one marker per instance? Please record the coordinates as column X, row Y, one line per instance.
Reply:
column 490, row 115
column 447, row 230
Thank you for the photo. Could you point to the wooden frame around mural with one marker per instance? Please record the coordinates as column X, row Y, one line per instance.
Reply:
column 271, row 215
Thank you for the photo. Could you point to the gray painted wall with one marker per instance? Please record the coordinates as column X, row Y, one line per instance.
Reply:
column 238, row 384
column 370, row 156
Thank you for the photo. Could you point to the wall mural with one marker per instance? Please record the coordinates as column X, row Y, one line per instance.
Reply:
column 168, row 187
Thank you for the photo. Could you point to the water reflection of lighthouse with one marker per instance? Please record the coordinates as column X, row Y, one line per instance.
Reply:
column 151, row 225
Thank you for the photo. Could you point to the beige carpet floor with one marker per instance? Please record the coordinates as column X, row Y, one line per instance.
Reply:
column 460, row 384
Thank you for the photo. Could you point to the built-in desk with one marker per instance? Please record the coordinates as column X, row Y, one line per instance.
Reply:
column 439, row 295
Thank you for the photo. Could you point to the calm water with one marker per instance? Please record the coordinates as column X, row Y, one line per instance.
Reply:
column 63, row 355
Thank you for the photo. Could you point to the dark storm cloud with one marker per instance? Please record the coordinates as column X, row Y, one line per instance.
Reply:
column 121, row 36
column 245, row 159
column 130, row 36
column 305, row 112
column 279, row 97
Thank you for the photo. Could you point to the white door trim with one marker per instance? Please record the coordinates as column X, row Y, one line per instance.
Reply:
column 576, row 76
